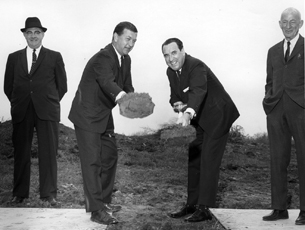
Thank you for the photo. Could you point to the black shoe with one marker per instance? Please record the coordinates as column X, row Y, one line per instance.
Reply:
column 112, row 208
column 301, row 218
column 16, row 200
column 276, row 215
column 52, row 201
column 185, row 210
column 103, row 217
column 201, row 214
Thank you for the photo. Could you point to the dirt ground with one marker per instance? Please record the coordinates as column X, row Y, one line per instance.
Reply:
column 152, row 177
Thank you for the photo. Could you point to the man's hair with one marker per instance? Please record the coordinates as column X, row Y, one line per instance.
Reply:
column 170, row 40
column 124, row 25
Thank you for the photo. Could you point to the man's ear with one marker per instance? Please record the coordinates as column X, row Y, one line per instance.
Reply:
column 280, row 24
column 115, row 37
column 301, row 24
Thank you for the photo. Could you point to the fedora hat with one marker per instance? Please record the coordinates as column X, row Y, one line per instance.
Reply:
column 33, row 22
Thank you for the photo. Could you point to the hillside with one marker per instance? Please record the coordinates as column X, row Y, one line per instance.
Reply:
column 152, row 176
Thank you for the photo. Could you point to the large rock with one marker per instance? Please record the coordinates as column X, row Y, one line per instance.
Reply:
column 136, row 105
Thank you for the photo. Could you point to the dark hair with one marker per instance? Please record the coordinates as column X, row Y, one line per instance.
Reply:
column 170, row 40
column 124, row 25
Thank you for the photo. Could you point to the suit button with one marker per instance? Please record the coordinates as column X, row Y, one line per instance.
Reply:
column 31, row 92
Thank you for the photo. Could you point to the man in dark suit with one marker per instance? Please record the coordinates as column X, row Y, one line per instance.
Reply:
column 35, row 81
column 284, row 105
column 198, row 94
column 106, row 78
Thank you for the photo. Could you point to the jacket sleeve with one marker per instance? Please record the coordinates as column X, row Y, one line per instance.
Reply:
column 268, row 86
column 60, row 76
column 105, row 71
column 128, row 87
column 9, row 77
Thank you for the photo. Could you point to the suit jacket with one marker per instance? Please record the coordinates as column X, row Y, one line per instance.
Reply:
column 101, row 82
column 200, row 89
column 281, row 76
column 45, row 86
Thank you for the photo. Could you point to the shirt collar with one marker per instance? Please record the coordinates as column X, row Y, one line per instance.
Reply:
column 30, row 50
column 293, row 41
column 119, row 55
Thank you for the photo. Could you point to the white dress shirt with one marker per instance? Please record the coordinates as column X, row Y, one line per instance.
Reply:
column 292, row 43
column 29, row 56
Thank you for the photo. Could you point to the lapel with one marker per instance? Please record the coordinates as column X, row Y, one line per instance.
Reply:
column 299, row 45
column 184, row 79
column 281, row 51
column 115, row 57
column 23, row 60
column 41, row 56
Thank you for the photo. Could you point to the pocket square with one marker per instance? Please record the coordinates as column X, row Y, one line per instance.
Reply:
column 185, row 90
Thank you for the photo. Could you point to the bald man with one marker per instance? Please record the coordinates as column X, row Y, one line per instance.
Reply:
column 285, row 109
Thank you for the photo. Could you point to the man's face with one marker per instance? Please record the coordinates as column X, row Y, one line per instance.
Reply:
column 174, row 57
column 290, row 24
column 34, row 37
column 124, row 42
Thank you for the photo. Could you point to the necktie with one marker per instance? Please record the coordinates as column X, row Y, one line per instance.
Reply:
column 34, row 58
column 178, row 74
column 287, row 51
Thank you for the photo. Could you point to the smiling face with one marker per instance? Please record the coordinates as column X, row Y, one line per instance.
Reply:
column 34, row 37
column 290, row 24
column 124, row 42
column 174, row 57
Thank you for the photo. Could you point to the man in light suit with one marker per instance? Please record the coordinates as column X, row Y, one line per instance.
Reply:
column 284, row 105
column 106, row 78
column 198, row 94
column 35, row 81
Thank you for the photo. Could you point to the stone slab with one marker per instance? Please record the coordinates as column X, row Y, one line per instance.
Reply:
column 251, row 219
column 46, row 219
column 78, row 219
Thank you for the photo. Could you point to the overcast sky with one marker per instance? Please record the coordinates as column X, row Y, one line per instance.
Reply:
column 231, row 37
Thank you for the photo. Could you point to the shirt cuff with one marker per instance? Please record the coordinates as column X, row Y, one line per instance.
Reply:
column 121, row 94
column 191, row 111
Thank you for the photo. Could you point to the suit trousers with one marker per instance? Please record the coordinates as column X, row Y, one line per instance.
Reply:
column 99, row 156
column 205, row 155
column 47, row 136
column 286, row 121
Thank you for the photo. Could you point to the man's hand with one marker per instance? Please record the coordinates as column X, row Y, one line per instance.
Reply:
column 177, row 106
column 185, row 119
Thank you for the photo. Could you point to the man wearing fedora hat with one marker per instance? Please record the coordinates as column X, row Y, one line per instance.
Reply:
column 35, row 81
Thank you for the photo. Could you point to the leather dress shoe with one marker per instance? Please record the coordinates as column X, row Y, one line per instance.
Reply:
column 301, row 219
column 201, row 214
column 16, row 200
column 103, row 217
column 112, row 208
column 276, row 215
column 51, row 200
column 185, row 210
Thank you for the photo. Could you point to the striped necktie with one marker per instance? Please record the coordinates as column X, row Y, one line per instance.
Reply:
column 34, row 58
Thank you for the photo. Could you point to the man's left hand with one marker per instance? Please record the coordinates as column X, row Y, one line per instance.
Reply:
column 185, row 119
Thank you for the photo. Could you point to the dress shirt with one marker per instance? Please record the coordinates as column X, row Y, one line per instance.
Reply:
column 292, row 43
column 29, row 56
